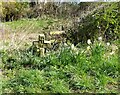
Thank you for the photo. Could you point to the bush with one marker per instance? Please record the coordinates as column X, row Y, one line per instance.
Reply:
column 13, row 10
column 103, row 22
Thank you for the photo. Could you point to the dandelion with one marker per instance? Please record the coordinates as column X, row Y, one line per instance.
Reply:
column 89, row 41
column 100, row 38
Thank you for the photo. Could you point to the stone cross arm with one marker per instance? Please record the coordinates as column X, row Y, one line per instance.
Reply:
column 41, row 44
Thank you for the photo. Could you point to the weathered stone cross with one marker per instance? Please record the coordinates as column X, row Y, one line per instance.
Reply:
column 41, row 44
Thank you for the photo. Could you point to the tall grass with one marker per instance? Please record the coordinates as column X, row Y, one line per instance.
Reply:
column 89, row 70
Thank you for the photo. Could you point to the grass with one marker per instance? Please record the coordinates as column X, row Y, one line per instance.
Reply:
column 23, row 31
column 35, row 25
column 23, row 24
column 62, row 71
column 84, row 68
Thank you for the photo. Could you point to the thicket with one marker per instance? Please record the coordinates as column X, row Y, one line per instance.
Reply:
column 104, row 22
column 15, row 10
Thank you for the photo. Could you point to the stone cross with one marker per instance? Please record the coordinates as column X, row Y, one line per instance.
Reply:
column 57, row 35
column 41, row 44
column 57, row 38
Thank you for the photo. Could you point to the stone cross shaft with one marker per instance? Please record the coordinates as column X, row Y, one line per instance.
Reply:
column 41, row 44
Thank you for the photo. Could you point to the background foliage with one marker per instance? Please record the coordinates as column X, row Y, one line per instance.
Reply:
column 103, row 22
column 86, row 62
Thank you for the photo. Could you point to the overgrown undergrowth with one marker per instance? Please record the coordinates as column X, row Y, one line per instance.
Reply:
column 81, row 68
column 92, row 68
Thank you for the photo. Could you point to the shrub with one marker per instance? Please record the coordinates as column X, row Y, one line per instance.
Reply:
column 103, row 22
column 13, row 10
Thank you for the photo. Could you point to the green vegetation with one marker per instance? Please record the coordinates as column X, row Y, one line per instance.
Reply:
column 87, row 61
column 102, row 22
column 67, row 70
column 35, row 24
column 13, row 10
